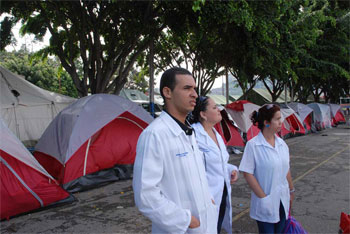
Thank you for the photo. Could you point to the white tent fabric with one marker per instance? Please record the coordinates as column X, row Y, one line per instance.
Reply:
column 10, row 144
column 302, row 110
column 322, row 114
column 286, row 111
column 27, row 109
column 83, row 118
column 334, row 109
column 242, row 118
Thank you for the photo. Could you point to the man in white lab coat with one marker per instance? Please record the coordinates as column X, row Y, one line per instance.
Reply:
column 169, row 181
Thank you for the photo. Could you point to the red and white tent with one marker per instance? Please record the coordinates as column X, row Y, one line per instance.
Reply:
column 240, row 112
column 228, row 131
column 322, row 115
column 304, row 112
column 25, row 184
column 337, row 114
column 91, row 135
column 292, row 125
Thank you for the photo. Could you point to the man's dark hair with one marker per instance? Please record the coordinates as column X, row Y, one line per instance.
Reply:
column 168, row 78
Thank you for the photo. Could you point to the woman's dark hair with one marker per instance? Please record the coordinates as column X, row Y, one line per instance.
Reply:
column 168, row 78
column 266, row 112
column 201, row 105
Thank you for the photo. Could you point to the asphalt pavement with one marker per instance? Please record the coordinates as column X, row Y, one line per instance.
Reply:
column 320, row 166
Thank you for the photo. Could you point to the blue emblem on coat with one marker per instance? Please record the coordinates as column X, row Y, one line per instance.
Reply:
column 182, row 154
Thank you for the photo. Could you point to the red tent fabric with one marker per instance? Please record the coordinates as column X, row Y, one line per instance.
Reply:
column 237, row 105
column 240, row 112
column 339, row 117
column 252, row 132
column 228, row 131
column 103, row 136
column 291, row 123
column 344, row 223
column 113, row 144
column 24, row 184
column 337, row 114
column 308, row 122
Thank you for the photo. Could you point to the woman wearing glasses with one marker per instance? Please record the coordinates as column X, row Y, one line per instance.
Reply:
column 265, row 166
column 220, row 174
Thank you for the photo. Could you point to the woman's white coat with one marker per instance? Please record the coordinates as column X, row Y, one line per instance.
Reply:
column 217, row 168
column 270, row 166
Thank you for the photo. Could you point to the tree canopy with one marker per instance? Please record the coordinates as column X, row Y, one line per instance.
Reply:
column 302, row 44
column 107, row 37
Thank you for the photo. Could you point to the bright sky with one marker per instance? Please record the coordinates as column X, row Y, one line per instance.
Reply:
column 28, row 40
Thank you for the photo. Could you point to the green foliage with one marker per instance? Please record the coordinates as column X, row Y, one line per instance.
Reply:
column 301, row 43
column 47, row 74
column 326, row 60
column 197, row 5
column 105, row 36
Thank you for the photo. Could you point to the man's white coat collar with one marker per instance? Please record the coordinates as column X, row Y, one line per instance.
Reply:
column 173, row 126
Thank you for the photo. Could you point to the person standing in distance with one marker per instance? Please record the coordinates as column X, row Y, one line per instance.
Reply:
column 220, row 173
column 169, row 182
column 265, row 166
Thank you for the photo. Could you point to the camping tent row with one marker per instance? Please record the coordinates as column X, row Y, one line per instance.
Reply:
column 236, row 127
column 89, row 143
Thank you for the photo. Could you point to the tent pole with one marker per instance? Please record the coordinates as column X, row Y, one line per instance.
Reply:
column 86, row 155
column 16, row 122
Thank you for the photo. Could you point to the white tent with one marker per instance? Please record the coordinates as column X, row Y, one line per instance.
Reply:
column 322, row 115
column 302, row 109
column 305, row 113
column 242, row 116
column 334, row 109
column 81, row 120
column 240, row 112
column 27, row 109
column 291, row 122
column 91, row 135
column 336, row 114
